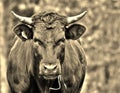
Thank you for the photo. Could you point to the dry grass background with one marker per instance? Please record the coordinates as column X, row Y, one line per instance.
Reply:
column 101, row 40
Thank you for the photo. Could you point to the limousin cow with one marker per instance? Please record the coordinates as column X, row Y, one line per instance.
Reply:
column 47, row 56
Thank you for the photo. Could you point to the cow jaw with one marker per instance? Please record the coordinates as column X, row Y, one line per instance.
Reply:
column 51, row 85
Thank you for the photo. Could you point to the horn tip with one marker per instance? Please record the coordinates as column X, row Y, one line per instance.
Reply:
column 13, row 12
column 85, row 11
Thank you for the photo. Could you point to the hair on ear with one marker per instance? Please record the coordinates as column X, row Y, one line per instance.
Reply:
column 23, row 31
column 74, row 31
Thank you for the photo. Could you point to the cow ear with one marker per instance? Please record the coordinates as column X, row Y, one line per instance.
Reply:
column 74, row 31
column 23, row 31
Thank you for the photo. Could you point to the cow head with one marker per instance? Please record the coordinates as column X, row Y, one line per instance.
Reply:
column 49, row 32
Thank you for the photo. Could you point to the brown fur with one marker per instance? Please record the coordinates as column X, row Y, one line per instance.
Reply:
column 74, row 66
column 20, row 65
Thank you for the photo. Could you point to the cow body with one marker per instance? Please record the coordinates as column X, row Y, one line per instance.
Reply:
column 50, row 60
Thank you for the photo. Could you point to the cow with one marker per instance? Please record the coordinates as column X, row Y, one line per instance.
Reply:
column 47, row 56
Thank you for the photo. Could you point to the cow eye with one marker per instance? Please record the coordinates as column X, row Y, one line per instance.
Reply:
column 39, row 42
column 62, row 40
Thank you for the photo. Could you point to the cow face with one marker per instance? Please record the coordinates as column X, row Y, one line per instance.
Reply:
column 49, row 42
column 49, row 34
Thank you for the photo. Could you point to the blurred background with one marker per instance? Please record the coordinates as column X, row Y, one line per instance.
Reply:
column 101, row 41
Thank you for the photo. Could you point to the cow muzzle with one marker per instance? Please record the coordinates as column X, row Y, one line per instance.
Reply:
column 50, row 70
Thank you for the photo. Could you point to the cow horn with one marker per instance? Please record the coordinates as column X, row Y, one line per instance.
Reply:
column 27, row 20
column 75, row 18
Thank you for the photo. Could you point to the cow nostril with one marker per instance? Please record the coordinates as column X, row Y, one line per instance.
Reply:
column 45, row 67
column 55, row 67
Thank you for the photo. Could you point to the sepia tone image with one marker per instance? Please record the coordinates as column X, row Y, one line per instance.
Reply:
column 59, row 46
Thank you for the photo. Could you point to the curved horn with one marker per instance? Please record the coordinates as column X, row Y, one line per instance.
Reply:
column 75, row 18
column 27, row 20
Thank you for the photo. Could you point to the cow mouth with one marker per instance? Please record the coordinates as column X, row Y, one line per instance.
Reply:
column 50, row 76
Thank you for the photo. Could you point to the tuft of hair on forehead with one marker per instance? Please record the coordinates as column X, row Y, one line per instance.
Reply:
column 48, row 17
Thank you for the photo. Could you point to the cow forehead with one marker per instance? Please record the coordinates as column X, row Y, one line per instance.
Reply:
column 48, row 26
column 49, row 36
